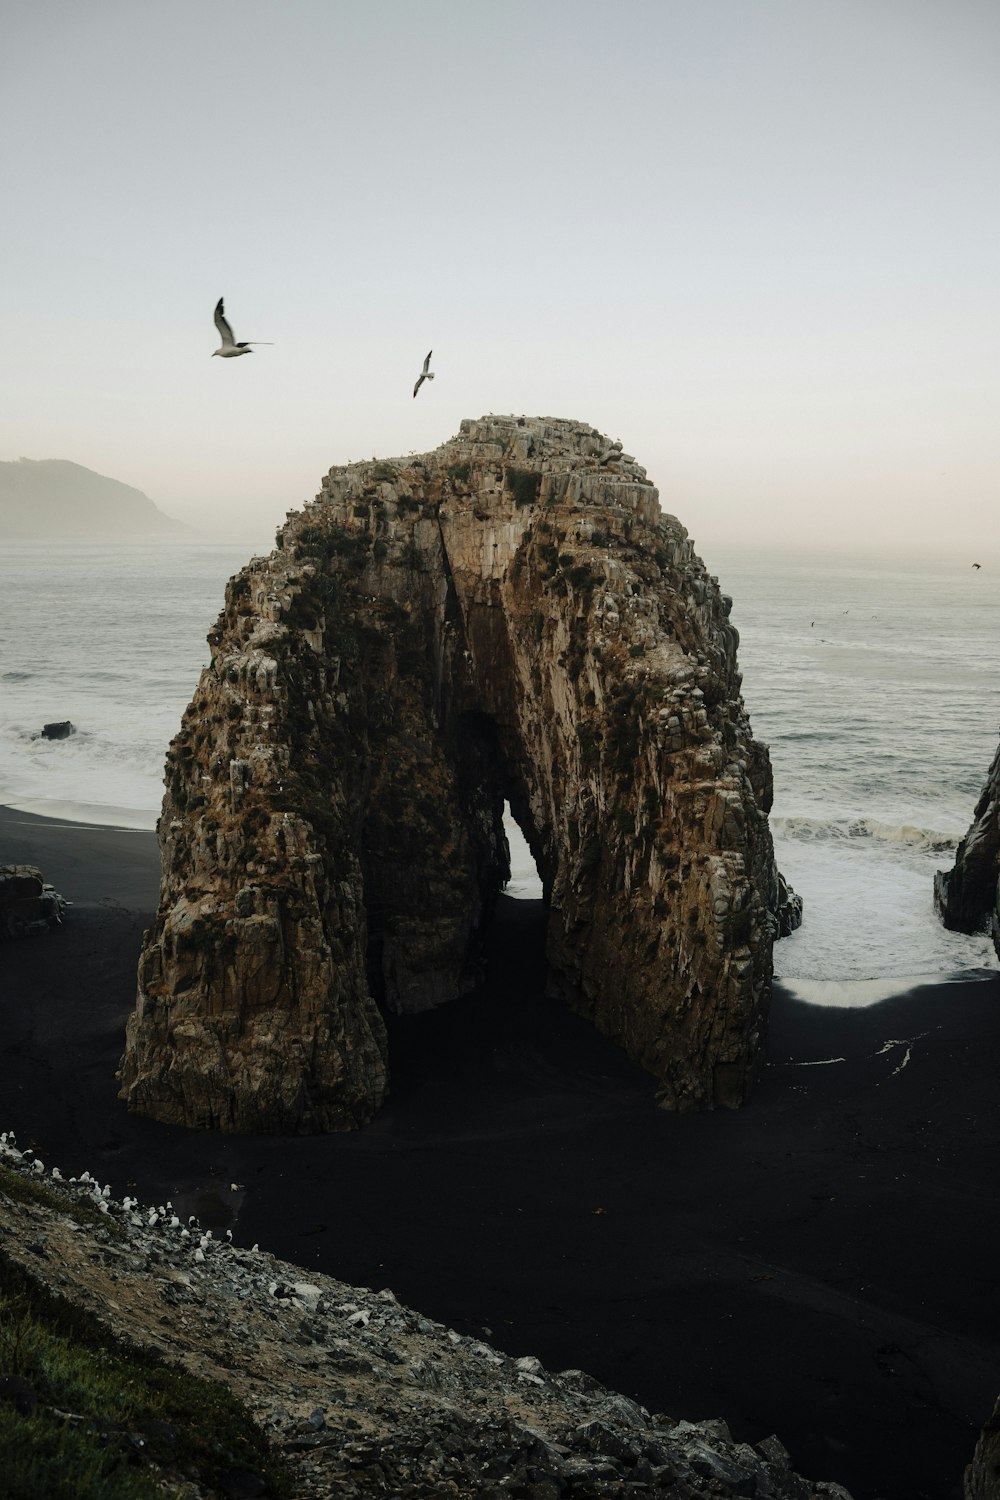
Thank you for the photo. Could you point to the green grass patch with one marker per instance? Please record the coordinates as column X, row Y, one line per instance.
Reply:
column 130, row 1421
column 22, row 1188
column 524, row 485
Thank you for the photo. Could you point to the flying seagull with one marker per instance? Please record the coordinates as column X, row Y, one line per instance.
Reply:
column 230, row 348
column 425, row 374
column 975, row 565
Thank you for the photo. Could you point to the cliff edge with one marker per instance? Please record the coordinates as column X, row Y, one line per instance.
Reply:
column 507, row 619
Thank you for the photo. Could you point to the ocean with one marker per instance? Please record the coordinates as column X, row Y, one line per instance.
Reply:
column 873, row 683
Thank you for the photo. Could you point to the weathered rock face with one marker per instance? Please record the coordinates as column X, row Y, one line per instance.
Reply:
column 966, row 895
column 509, row 617
column 982, row 1476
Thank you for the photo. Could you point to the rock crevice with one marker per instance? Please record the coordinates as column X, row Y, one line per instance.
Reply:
column 509, row 618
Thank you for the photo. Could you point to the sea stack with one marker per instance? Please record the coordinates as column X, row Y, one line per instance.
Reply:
column 966, row 895
column 508, row 618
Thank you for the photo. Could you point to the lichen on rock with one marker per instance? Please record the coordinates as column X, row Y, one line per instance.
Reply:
column 507, row 619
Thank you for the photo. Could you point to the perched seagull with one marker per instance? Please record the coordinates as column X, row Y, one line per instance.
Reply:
column 230, row 348
column 425, row 374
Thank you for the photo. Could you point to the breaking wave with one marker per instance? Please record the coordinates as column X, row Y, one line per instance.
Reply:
column 831, row 830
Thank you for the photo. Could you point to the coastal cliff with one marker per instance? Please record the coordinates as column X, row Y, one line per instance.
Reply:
column 966, row 895
column 507, row 619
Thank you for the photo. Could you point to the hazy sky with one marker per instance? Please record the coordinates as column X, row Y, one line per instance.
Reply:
column 757, row 240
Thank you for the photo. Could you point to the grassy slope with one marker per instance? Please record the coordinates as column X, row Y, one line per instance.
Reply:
column 112, row 1421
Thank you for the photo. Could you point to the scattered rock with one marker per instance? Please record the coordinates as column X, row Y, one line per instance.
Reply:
column 27, row 904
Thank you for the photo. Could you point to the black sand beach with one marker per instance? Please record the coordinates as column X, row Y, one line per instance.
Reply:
column 820, row 1264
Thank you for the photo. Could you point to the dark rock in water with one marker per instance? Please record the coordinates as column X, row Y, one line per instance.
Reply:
column 501, row 620
column 60, row 731
column 27, row 903
column 966, row 895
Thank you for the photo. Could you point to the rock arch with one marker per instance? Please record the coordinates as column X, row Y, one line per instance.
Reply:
column 508, row 617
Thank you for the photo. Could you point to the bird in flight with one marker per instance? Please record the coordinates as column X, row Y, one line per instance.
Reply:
column 426, row 373
column 975, row 565
column 230, row 349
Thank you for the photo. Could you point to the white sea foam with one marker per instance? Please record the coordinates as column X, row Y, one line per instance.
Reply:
column 874, row 686
column 858, row 993
column 96, row 814
column 809, row 829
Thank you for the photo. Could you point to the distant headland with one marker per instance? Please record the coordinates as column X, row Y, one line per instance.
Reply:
column 52, row 497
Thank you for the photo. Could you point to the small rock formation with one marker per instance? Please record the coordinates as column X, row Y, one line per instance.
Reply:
column 58, row 731
column 507, row 618
column 27, row 903
column 966, row 895
column 786, row 907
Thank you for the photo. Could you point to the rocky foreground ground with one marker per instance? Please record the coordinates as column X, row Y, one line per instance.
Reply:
column 361, row 1395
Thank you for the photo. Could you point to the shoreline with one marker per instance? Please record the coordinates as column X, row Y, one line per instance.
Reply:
column 41, row 819
column 84, row 814
column 818, row 1264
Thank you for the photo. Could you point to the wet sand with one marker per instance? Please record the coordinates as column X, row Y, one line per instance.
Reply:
column 819, row 1264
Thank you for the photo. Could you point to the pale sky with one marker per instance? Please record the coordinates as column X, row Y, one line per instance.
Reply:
column 757, row 240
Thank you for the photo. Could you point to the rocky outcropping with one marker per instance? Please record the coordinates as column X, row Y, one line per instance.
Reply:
column 966, row 895
column 982, row 1476
column 27, row 902
column 509, row 618
column 360, row 1395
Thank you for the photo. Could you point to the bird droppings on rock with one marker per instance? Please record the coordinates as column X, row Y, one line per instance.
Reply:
column 501, row 619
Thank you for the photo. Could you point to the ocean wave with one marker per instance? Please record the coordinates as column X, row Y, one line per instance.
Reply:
column 829, row 830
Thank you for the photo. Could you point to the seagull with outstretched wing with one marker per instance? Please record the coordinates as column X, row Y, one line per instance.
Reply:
column 426, row 373
column 230, row 349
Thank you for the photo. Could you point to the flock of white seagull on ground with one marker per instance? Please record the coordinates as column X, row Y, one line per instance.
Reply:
column 230, row 349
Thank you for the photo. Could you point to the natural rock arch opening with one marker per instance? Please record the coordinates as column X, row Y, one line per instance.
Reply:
column 525, row 882
column 508, row 619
